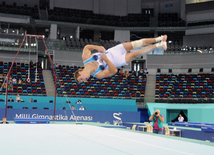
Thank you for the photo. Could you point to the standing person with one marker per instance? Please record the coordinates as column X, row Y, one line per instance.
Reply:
column 10, row 86
column 5, row 85
column 104, row 63
column 56, row 65
column 141, row 71
column 126, row 74
column 180, row 118
column 24, row 81
column 146, row 71
column 81, row 108
column 73, row 108
column 11, row 100
column 31, row 63
column 4, row 121
column 121, row 70
column 157, row 120
column 18, row 98
column 134, row 73
column 39, row 64
column 14, row 80
column 79, row 102
column 19, row 81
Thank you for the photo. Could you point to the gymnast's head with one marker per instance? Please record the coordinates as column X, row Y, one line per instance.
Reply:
column 4, row 120
column 81, row 75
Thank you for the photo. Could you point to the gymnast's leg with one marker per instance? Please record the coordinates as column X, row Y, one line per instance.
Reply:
column 143, row 42
column 131, row 55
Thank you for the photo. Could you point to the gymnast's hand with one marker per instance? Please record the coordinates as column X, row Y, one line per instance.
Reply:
column 104, row 57
column 101, row 49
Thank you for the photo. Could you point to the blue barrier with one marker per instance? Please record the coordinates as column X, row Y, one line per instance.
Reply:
column 73, row 100
column 185, row 132
column 31, row 121
column 67, row 115
column 88, row 103
column 207, row 128
column 191, row 124
column 195, row 123
column 60, row 106
column 144, row 117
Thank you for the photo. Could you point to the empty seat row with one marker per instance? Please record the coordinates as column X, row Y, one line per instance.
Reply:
column 184, row 87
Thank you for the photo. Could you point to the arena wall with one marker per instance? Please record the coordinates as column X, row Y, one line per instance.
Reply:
column 88, row 103
column 173, row 61
column 195, row 112
column 200, row 15
column 199, row 40
column 180, row 61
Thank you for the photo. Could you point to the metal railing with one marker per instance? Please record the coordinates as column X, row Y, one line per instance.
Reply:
column 184, row 100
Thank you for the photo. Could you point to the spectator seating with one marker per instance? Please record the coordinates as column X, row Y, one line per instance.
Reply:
column 116, row 86
column 80, row 43
column 176, row 45
column 201, row 23
column 185, row 88
column 11, row 37
column 20, row 10
column 170, row 20
column 20, row 71
column 108, row 44
column 88, row 17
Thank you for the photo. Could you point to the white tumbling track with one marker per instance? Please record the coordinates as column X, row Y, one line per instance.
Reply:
column 72, row 139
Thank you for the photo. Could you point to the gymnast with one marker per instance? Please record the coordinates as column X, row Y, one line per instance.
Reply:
column 105, row 63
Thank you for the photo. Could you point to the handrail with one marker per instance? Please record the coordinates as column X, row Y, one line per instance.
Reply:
column 183, row 100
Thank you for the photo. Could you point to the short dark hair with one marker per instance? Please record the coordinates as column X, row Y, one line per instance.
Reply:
column 77, row 74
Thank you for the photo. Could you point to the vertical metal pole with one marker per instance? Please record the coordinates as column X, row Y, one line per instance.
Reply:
column 8, row 76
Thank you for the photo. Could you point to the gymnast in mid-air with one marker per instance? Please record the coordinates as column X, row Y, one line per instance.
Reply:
column 105, row 62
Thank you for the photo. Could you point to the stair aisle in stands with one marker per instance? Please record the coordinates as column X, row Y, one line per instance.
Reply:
column 150, row 89
column 49, row 82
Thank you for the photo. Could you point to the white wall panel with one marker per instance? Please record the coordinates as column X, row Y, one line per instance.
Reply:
column 107, row 7
column 122, row 35
column 121, row 7
column 207, row 30
column 134, row 6
column 200, row 15
column 180, row 61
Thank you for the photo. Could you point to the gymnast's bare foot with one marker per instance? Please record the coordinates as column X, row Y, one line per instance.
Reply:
column 162, row 44
column 165, row 37
column 161, row 38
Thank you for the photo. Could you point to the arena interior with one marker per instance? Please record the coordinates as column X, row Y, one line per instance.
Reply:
column 45, row 111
